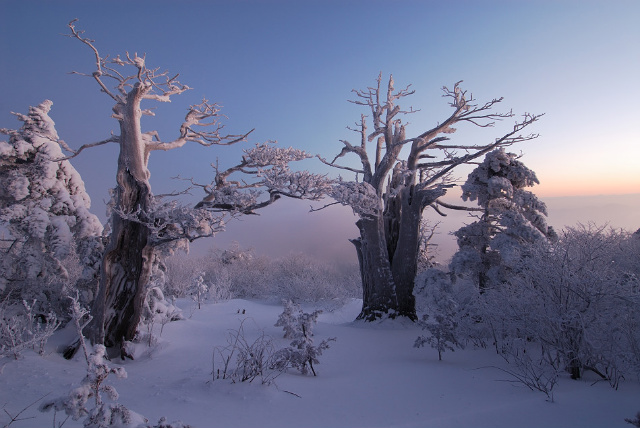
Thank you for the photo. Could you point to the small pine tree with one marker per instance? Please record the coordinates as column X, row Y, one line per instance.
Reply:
column 77, row 403
column 512, row 217
column 199, row 289
column 302, row 354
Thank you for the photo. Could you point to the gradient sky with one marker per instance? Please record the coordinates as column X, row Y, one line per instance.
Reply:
column 287, row 68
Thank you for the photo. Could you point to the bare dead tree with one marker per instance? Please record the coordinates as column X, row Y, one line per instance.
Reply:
column 136, row 228
column 143, row 227
column 393, row 192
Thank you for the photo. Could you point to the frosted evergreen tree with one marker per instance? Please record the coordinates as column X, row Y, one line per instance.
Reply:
column 198, row 289
column 512, row 217
column 50, row 238
column 298, row 325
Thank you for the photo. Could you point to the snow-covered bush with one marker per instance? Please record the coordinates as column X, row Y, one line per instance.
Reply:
column 220, row 290
column 533, row 365
column 21, row 328
column 86, row 400
column 301, row 354
column 77, row 403
column 574, row 299
column 178, row 269
column 436, row 299
column 156, row 310
column 294, row 321
column 198, row 289
column 244, row 360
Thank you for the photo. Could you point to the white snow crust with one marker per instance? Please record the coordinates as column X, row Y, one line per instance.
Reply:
column 370, row 377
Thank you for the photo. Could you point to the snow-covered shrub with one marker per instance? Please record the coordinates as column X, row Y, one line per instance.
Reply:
column 301, row 354
column 179, row 268
column 435, row 294
column 157, row 310
column 294, row 321
column 442, row 333
column 577, row 301
column 244, row 360
column 21, row 328
column 220, row 289
column 77, row 403
column 86, row 400
column 537, row 369
column 199, row 289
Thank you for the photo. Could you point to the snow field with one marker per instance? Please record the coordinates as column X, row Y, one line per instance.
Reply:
column 370, row 377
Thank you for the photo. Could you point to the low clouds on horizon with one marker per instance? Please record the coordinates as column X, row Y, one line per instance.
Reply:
column 288, row 227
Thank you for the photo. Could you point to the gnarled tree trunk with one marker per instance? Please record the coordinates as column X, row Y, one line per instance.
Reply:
column 379, row 294
column 126, row 265
column 393, row 193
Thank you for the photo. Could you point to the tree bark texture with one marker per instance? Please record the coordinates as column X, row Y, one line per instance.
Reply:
column 379, row 294
column 127, row 260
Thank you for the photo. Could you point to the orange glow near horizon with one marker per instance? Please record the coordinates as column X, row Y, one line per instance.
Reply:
column 580, row 186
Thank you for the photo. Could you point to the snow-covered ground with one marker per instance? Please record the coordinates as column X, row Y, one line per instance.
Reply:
column 370, row 377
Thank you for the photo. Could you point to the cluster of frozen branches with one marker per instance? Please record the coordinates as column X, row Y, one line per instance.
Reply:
column 270, row 167
column 568, row 306
column 243, row 360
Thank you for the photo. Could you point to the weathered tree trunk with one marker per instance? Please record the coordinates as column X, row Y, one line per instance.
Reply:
column 126, row 265
column 379, row 293
column 404, row 259
column 403, row 214
column 389, row 242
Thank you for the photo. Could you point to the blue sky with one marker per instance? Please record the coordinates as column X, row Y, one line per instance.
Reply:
column 287, row 68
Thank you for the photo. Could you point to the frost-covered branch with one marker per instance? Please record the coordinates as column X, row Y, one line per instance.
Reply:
column 172, row 223
column 112, row 139
column 270, row 167
column 160, row 84
column 360, row 196
column 201, row 125
column 506, row 140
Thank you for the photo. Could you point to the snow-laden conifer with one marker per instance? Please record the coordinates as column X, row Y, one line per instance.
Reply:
column 52, row 240
column 298, row 325
column 512, row 217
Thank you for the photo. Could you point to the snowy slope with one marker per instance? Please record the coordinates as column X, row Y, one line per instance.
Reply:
column 370, row 377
